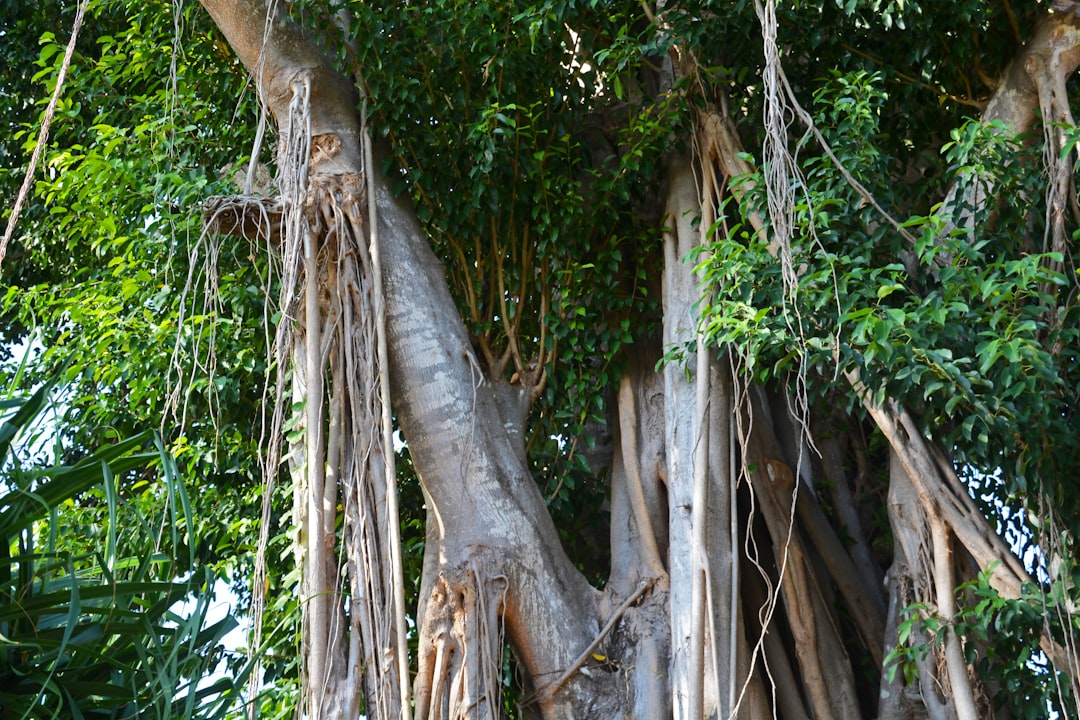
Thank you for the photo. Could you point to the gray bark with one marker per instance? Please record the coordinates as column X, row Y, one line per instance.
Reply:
column 680, row 326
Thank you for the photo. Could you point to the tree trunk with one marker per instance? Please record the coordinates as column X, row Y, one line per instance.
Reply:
column 493, row 562
column 731, row 592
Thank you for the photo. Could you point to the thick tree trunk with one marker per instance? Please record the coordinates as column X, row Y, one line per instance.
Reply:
column 488, row 527
column 731, row 593
column 493, row 561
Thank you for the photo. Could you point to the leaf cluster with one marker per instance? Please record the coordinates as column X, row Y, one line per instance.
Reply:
column 964, row 325
column 1001, row 641
column 98, row 269
column 100, row 617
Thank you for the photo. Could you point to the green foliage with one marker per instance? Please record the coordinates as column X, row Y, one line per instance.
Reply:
column 99, row 272
column 108, row 273
column 969, row 332
column 1002, row 644
column 1001, row 641
column 907, row 653
column 99, row 619
column 532, row 138
column 956, row 315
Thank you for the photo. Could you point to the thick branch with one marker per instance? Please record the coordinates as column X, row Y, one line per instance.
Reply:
column 943, row 494
column 277, row 54
column 945, row 584
column 1055, row 42
column 1052, row 51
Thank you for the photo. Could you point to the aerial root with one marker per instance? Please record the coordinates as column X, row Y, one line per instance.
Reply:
column 461, row 647
column 248, row 216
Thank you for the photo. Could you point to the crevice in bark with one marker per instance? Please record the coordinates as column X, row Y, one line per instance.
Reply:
column 635, row 486
column 641, row 388
column 845, row 506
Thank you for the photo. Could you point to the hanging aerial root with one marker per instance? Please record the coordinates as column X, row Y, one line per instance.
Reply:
column 43, row 133
column 330, row 333
column 356, row 453
column 248, row 216
column 779, row 167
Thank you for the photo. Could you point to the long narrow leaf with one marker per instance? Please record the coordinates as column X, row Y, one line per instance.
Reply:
column 111, row 501
column 51, row 602
column 18, row 509
column 97, row 634
column 177, row 491
column 29, row 409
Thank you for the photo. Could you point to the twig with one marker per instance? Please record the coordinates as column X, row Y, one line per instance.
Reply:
column 549, row 690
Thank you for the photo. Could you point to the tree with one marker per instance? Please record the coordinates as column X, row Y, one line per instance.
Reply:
column 780, row 392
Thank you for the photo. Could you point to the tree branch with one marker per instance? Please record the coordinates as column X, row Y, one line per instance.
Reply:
column 277, row 52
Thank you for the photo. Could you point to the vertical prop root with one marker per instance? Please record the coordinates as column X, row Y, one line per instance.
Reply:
column 462, row 654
